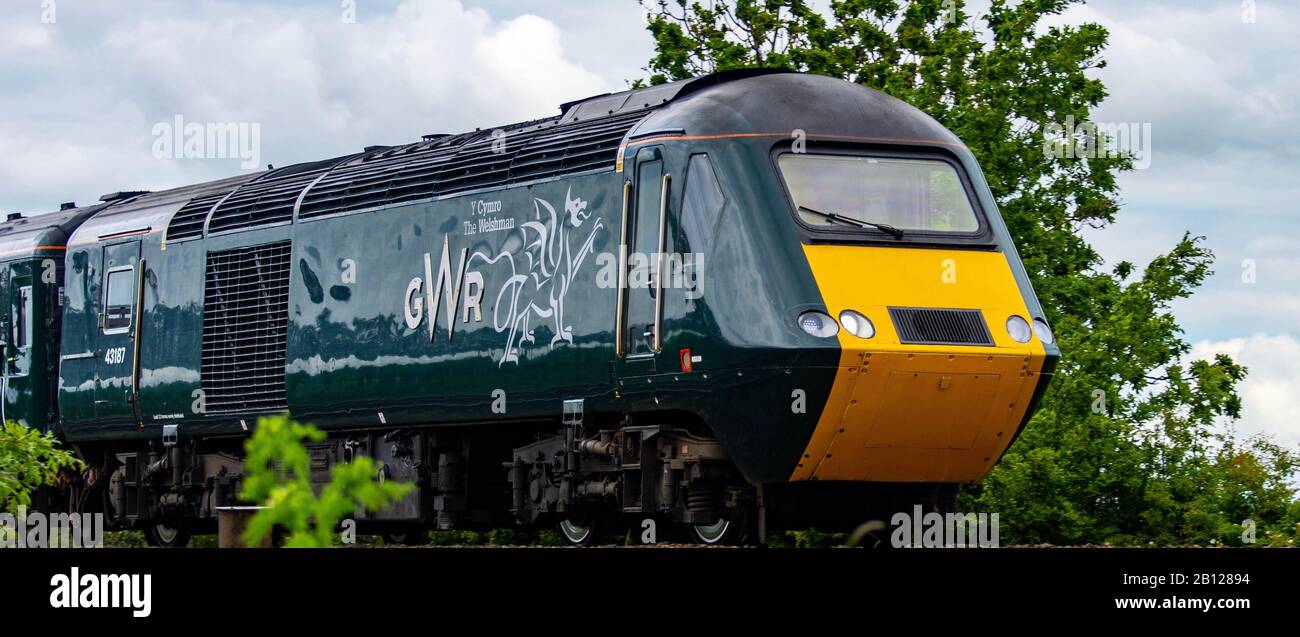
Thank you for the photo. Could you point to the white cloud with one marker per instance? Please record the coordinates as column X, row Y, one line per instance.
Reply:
column 1270, row 389
column 1254, row 186
column 1222, row 98
column 1224, row 310
column 319, row 87
column 1202, row 76
column 22, row 38
column 1223, row 101
column 1273, row 244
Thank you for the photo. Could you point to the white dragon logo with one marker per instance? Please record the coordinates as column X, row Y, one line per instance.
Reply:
column 552, row 264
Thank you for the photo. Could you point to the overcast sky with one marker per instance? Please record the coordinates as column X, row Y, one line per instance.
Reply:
column 86, row 81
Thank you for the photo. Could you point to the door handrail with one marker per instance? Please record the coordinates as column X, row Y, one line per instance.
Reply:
column 135, row 347
column 662, row 259
column 620, row 315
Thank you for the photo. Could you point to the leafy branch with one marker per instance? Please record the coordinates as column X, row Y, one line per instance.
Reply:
column 278, row 476
column 30, row 459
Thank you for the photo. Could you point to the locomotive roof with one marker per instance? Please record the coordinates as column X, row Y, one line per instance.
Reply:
column 585, row 136
column 24, row 235
column 781, row 104
column 150, row 211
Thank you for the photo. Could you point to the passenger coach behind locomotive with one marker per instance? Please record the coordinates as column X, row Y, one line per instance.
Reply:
column 746, row 292
column 31, row 276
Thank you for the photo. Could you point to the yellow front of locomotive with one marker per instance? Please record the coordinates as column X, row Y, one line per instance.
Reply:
column 944, row 348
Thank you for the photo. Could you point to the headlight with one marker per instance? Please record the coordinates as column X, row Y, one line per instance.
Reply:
column 818, row 324
column 1018, row 329
column 1043, row 331
column 857, row 324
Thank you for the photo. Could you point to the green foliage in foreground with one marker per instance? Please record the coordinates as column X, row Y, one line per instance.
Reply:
column 1128, row 445
column 29, row 460
column 806, row 539
column 455, row 538
column 278, row 477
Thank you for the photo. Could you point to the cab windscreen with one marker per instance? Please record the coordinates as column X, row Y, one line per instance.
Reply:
column 894, row 196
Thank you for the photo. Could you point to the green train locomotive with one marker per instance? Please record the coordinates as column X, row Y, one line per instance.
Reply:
column 714, row 303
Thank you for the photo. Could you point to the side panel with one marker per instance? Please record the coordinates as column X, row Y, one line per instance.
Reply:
column 489, row 306
column 79, row 337
column 172, row 334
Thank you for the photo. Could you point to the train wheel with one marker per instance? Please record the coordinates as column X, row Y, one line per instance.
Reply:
column 711, row 533
column 174, row 535
column 413, row 536
column 734, row 529
column 581, row 530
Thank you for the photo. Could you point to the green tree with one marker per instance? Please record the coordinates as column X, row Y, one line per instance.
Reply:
column 278, row 476
column 1125, row 437
column 30, row 459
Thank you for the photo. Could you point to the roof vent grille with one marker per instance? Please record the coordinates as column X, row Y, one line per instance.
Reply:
column 268, row 200
column 483, row 159
column 187, row 223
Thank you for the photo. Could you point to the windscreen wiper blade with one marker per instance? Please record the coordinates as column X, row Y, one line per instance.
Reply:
column 883, row 227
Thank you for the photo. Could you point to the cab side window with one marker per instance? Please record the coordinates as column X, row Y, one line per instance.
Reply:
column 119, row 300
column 23, row 318
column 702, row 204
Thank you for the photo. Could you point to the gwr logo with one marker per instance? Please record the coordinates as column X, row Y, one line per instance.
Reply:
column 424, row 295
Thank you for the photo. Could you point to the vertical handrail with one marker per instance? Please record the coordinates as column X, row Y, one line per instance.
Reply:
column 135, row 346
column 620, row 330
column 662, row 262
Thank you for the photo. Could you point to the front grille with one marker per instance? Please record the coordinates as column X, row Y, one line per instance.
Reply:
column 245, row 315
column 931, row 326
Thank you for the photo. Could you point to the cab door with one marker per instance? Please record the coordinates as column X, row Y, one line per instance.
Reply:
column 118, row 330
column 642, row 238
column 17, row 300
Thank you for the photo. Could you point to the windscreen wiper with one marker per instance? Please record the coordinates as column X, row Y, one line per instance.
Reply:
column 883, row 227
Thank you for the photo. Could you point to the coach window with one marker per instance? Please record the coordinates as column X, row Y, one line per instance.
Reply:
column 119, row 299
column 23, row 318
column 702, row 205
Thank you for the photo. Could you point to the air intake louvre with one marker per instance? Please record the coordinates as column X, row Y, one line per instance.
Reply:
column 391, row 176
column 448, row 165
column 933, row 326
column 245, row 316
column 444, row 165
column 571, row 148
column 266, row 201
column 188, row 221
